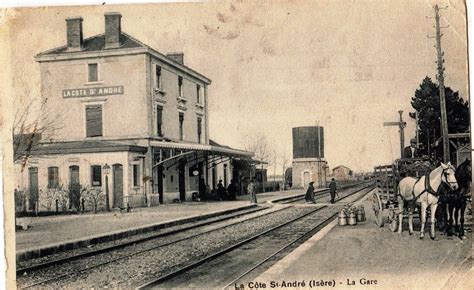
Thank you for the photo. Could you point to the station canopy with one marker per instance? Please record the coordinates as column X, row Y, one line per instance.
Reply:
column 169, row 154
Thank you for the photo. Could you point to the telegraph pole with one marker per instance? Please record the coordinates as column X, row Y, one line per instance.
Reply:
column 401, row 125
column 442, row 97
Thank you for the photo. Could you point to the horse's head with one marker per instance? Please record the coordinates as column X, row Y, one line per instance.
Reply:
column 448, row 176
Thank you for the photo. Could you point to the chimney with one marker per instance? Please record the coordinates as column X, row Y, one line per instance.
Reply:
column 112, row 29
column 74, row 33
column 176, row 57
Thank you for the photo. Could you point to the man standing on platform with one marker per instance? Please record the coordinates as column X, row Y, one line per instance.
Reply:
column 332, row 189
column 251, row 191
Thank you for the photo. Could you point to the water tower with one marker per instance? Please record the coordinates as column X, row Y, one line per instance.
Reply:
column 308, row 157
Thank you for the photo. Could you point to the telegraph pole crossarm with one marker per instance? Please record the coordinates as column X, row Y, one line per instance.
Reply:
column 401, row 125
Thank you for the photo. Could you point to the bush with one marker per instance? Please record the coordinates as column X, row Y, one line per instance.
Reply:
column 93, row 197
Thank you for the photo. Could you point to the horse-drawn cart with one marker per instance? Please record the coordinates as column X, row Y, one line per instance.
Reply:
column 387, row 178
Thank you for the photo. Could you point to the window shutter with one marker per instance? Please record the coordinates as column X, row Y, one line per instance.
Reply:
column 93, row 121
column 159, row 120
column 96, row 175
column 93, row 77
column 53, row 181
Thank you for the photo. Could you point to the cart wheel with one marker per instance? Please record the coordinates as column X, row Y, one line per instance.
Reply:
column 378, row 209
column 393, row 220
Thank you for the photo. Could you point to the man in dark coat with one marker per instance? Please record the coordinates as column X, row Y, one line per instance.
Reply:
column 202, row 190
column 332, row 189
column 309, row 197
column 232, row 189
column 411, row 151
column 221, row 192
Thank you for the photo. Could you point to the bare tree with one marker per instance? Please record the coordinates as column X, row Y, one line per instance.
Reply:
column 31, row 121
column 258, row 144
column 284, row 160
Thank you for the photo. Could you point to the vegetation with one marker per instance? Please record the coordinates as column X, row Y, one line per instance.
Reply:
column 426, row 103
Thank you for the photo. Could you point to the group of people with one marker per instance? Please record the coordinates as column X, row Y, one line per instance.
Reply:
column 221, row 193
column 309, row 197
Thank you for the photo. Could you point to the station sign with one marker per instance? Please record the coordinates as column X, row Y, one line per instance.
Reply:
column 93, row 92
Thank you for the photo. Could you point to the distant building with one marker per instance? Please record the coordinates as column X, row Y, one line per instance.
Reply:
column 342, row 173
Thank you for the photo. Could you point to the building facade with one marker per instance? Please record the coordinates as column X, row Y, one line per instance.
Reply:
column 133, row 121
column 342, row 173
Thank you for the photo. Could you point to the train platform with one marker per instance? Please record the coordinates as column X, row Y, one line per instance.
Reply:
column 365, row 256
column 44, row 234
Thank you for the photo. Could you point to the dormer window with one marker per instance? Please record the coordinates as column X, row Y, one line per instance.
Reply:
column 93, row 73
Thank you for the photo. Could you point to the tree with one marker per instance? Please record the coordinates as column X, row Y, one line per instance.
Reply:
column 284, row 162
column 258, row 144
column 426, row 103
column 31, row 122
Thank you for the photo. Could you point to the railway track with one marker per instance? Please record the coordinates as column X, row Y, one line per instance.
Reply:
column 232, row 264
column 131, row 242
column 68, row 270
column 318, row 195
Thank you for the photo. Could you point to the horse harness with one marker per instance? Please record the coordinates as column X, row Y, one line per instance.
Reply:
column 428, row 187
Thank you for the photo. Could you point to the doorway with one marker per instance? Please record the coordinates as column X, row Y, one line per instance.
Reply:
column 33, row 173
column 181, row 180
column 306, row 178
column 118, row 185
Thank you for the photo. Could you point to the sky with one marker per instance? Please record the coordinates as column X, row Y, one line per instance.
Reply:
column 348, row 66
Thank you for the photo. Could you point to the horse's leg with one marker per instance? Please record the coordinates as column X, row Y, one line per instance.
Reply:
column 433, row 210
column 410, row 218
column 400, row 215
column 449, row 229
column 424, row 205
column 463, row 204
column 456, row 216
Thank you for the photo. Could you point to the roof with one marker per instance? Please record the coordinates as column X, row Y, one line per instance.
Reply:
column 341, row 166
column 97, row 44
column 213, row 147
column 84, row 147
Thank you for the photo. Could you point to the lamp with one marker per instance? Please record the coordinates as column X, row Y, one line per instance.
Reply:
column 106, row 169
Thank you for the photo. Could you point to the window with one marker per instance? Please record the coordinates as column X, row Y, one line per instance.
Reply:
column 159, row 121
column 181, row 121
column 158, row 76
column 199, row 128
column 96, row 175
column 135, row 175
column 53, row 179
column 180, row 86
column 93, row 120
column 198, row 93
column 93, row 73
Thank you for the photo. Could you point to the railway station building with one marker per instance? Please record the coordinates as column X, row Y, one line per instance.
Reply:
column 130, row 116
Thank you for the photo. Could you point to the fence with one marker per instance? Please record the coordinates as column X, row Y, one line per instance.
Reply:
column 267, row 186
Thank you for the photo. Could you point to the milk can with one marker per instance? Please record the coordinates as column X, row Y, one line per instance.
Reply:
column 342, row 217
column 352, row 220
column 360, row 214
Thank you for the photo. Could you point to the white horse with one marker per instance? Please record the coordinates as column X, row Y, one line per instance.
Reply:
column 424, row 190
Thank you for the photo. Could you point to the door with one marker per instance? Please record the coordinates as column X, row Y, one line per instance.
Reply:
column 160, row 183
column 118, row 185
column 181, row 181
column 74, row 187
column 305, row 178
column 33, row 173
